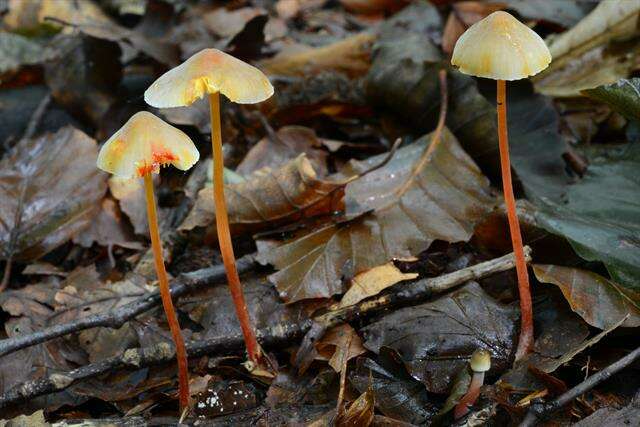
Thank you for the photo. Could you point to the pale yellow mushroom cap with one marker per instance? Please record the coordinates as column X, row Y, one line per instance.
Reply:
column 501, row 48
column 209, row 71
column 480, row 361
column 143, row 145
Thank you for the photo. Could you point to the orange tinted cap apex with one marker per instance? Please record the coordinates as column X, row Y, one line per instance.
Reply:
column 209, row 71
column 143, row 145
column 500, row 47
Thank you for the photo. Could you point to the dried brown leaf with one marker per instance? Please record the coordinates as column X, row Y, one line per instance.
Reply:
column 269, row 198
column 130, row 194
column 285, row 145
column 599, row 301
column 398, row 213
column 372, row 282
column 108, row 229
column 349, row 56
column 338, row 343
column 49, row 187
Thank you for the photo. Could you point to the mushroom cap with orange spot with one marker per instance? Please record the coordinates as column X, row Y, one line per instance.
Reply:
column 209, row 71
column 143, row 145
column 500, row 47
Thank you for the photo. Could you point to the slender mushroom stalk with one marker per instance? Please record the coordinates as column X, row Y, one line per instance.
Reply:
column 501, row 48
column 138, row 150
column 480, row 363
column 212, row 72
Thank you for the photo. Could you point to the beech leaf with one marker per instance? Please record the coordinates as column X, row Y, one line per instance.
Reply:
column 431, row 338
column 397, row 213
column 599, row 301
column 50, row 189
column 269, row 198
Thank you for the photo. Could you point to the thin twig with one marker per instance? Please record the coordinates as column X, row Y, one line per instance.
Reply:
column 538, row 412
column 412, row 293
column 142, row 357
column 115, row 319
column 270, row 337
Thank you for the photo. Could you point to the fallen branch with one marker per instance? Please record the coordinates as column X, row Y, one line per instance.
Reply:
column 270, row 337
column 406, row 294
column 143, row 357
column 115, row 319
column 540, row 411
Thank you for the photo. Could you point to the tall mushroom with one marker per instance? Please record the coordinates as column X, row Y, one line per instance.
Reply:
column 212, row 72
column 499, row 47
column 138, row 150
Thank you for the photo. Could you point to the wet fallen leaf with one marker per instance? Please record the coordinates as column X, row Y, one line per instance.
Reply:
column 108, row 229
column 50, row 188
column 431, row 337
column 372, row 282
column 599, row 301
column 285, row 145
column 270, row 198
column 130, row 195
column 623, row 96
column 402, row 213
column 597, row 213
column 597, row 51
column 216, row 313
column 397, row 395
column 338, row 343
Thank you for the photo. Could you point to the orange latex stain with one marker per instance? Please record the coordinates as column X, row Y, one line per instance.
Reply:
column 158, row 159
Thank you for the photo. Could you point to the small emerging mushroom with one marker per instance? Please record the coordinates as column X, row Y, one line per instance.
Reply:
column 500, row 47
column 143, row 145
column 480, row 363
column 211, row 72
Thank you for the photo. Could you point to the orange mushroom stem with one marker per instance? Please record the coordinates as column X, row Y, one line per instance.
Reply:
column 138, row 150
column 165, row 293
column 213, row 72
column 224, row 234
column 500, row 47
column 525, row 343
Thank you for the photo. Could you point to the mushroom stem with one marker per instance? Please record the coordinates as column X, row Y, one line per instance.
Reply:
column 525, row 342
column 470, row 397
column 224, row 235
column 165, row 294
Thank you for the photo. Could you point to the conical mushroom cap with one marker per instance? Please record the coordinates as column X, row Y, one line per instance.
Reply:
column 209, row 71
column 501, row 48
column 144, row 144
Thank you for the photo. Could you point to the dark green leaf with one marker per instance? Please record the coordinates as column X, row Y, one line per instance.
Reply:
column 623, row 96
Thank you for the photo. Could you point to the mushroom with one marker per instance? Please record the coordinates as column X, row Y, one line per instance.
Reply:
column 480, row 363
column 499, row 47
column 138, row 150
column 212, row 72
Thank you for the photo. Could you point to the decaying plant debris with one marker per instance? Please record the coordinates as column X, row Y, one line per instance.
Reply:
column 364, row 205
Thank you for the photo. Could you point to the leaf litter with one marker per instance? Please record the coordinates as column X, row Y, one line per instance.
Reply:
column 338, row 216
